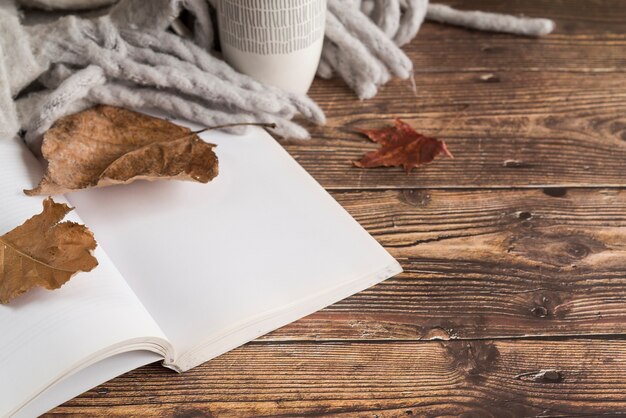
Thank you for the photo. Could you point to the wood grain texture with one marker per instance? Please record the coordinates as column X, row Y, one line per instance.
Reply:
column 458, row 378
column 514, row 111
column 573, row 17
column 485, row 264
column 528, row 129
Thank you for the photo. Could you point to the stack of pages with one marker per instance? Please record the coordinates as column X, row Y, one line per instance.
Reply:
column 187, row 271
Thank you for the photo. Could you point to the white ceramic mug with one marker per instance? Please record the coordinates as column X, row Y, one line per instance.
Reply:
column 278, row 42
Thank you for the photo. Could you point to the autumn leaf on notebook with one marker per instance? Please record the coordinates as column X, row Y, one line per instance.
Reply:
column 401, row 145
column 171, row 284
column 44, row 252
column 107, row 145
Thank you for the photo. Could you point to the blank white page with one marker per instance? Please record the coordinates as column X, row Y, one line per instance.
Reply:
column 85, row 379
column 221, row 263
column 48, row 335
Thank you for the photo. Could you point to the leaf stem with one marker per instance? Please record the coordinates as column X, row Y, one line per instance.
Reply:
column 232, row 125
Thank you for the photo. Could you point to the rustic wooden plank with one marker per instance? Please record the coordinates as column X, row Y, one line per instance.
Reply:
column 527, row 129
column 580, row 17
column 485, row 264
column 441, row 48
column 515, row 111
column 587, row 38
column 478, row 378
column 575, row 16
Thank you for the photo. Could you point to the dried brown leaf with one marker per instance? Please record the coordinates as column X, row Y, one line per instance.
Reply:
column 401, row 145
column 107, row 145
column 44, row 252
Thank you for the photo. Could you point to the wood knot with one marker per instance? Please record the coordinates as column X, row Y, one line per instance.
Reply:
column 542, row 376
column 557, row 249
column 618, row 128
column 539, row 311
column 438, row 333
column 549, row 305
column 552, row 122
column 419, row 198
column 490, row 78
column 473, row 359
column 102, row 391
column 577, row 250
column 555, row 191
column 524, row 215
column 516, row 164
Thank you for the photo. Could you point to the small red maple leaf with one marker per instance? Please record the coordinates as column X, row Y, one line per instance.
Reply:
column 401, row 145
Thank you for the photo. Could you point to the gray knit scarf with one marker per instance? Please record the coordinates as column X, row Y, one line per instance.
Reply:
column 139, row 55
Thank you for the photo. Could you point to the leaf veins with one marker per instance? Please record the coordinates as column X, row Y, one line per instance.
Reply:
column 44, row 252
column 106, row 145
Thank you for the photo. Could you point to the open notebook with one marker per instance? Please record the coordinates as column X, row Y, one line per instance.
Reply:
column 187, row 271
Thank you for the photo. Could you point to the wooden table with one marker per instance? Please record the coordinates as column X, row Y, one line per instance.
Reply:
column 513, row 299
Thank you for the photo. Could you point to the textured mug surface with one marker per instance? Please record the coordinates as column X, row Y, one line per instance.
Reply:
column 278, row 42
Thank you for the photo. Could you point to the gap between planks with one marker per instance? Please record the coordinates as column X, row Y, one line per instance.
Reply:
column 546, row 337
column 349, row 189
